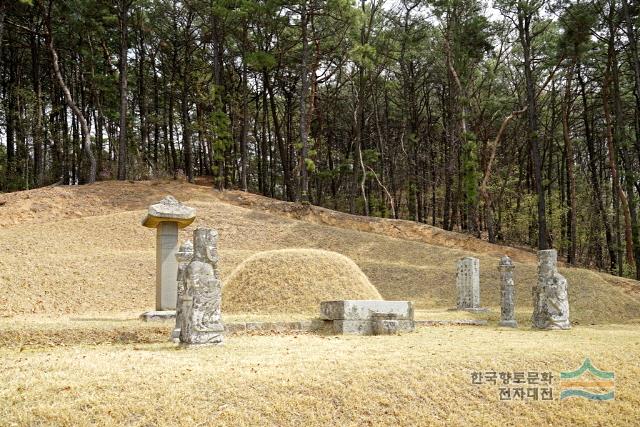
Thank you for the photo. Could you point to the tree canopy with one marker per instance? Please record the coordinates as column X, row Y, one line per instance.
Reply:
column 516, row 121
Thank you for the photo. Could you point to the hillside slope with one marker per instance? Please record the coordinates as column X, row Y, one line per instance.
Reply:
column 82, row 250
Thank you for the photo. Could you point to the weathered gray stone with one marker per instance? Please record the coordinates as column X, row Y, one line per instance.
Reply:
column 507, row 293
column 364, row 309
column 169, row 210
column 183, row 257
column 157, row 316
column 233, row 328
column 201, row 303
column 167, row 217
column 389, row 324
column 550, row 295
column 353, row 327
column 368, row 317
column 462, row 322
column 468, row 283
column 254, row 326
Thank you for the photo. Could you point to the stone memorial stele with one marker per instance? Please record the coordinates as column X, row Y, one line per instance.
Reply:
column 550, row 295
column 468, row 284
column 201, row 300
column 167, row 216
column 507, row 293
column 183, row 256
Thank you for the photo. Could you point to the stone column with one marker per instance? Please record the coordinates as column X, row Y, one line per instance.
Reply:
column 468, row 283
column 183, row 257
column 507, row 293
column 200, row 305
column 550, row 295
column 167, row 217
column 166, row 265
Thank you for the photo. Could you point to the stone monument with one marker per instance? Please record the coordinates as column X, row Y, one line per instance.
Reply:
column 183, row 256
column 550, row 297
column 201, row 301
column 468, row 284
column 507, row 293
column 368, row 317
column 167, row 217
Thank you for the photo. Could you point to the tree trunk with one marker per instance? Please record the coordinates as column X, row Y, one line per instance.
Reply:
column 83, row 122
column 122, row 146
column 571, row 180
column 304, row 89
column 245, row 114
column 524, row 21
column 595, row 181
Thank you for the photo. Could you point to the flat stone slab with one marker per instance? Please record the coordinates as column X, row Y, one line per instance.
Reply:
column 315, row 325
column 470, row 310
column 169, row 209
column 365, row 309
column 463, row 322
column 156, row 316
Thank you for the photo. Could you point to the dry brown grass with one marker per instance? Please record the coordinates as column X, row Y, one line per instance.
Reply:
column 416, row 379
column 104, row 262
column 76, row 268
column 293, row 281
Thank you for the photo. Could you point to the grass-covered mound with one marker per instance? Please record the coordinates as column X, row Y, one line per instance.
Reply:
column 294, row 281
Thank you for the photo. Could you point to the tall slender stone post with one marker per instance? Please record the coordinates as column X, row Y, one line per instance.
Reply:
column 202, row 299
column 183, row 257
column 167, row 217
column 468, row 284
column 507, row 293
column 550, row 295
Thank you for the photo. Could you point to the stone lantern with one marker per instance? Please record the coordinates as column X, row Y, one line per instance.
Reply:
column 167, row 216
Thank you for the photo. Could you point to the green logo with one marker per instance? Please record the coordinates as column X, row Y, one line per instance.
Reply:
column 588, row 382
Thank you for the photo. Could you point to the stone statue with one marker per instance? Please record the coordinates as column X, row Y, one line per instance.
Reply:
column 183, row 257
column 550, row 297
column 201, row 322
column 507, row 293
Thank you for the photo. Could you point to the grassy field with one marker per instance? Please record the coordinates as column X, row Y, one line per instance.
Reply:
column 63, row 260
column 77, row 268
column 422, row 378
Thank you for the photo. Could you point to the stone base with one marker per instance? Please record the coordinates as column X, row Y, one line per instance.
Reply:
column 372, row 327
column 364, row 309
column 555, row 327
column 392, row 327
column 153, row 316
column 353, row 327
column 461, row 322
column 212, row 341
column 470, row 309
column 508, row 323
column 175, row 335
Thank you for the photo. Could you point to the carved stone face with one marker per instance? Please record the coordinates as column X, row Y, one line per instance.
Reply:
column 185, row 252
column 205, row 244
column 547, row 263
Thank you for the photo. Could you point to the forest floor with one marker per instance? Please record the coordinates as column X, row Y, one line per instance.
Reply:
column 77, row 268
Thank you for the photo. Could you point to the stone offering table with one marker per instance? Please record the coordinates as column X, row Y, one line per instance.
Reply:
column 368, row 317
column 167, row 217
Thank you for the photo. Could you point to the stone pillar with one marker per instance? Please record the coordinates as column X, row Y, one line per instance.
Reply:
column 468, row 283
column 200, row 305
column 166, row 265
column 507, row 293
column 183, row 257
column 550, row 295
column 167, row 217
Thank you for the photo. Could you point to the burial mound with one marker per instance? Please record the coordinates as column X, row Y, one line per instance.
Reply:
column 294, row 281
